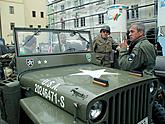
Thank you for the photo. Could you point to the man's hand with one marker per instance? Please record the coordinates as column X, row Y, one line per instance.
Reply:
column 124, row 44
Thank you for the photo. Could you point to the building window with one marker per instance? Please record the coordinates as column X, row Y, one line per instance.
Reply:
column 63, row 25
column 127, row 14
column 62, row 7
column 101, row 18
column 76, row 22
column 33, row 13
column 12, row 25
column 42, row 14
column 82, row 21
column 31, row 26
column 137, row 11
column 39, row 26
column 81, row 2
column 11, row 9
column 132, row 10
column 76, row 3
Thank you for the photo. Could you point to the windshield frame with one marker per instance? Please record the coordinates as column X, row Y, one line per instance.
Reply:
column 39, row 30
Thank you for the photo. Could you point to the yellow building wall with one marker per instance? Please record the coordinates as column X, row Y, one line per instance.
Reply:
column 7, row 18
column 22, row 16
column 38, row 6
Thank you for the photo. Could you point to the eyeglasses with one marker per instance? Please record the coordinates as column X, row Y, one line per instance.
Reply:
column 104, row 31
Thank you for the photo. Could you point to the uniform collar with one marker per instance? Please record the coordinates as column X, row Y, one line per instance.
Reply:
column 138, row 40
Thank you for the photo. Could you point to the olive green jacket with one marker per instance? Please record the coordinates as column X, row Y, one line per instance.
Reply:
column 101, row 45
column 102, row 48
column 142, row 56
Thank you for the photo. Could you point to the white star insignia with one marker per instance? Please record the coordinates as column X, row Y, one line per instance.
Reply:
column 45, row 61
column 95, row 73
column 39, row 62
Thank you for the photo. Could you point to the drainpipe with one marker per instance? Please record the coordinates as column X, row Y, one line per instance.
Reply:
column 0, row 25
column 156, row 21
column 155, row 7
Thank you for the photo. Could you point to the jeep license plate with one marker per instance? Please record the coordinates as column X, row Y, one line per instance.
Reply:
column 144, row 121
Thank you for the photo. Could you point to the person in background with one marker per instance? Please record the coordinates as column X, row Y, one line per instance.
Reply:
column 62, row 38
column 102, row 46
column 3, row 48
column 29, row 46
column 140, row 56
column 151, row 35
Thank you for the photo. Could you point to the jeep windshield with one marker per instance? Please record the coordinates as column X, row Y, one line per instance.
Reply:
column 50, row 41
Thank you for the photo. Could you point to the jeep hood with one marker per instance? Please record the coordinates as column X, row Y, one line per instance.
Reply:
column 69, row 85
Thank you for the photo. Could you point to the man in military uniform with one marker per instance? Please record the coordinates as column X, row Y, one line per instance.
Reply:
column 102, row 46
column 140, row 56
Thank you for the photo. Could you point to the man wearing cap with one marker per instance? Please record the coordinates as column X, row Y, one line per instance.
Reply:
column 102, row 46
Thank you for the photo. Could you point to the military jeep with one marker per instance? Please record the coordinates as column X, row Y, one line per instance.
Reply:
column 59, row 82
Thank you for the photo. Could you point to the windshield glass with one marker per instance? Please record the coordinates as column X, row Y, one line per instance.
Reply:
column 49, row 41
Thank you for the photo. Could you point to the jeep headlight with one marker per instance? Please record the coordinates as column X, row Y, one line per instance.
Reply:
column 153, row 87
column 97, row 110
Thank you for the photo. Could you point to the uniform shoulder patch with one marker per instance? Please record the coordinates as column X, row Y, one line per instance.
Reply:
column 131, row 56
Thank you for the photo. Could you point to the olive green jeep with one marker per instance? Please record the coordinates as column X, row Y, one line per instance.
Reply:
column 59, row 82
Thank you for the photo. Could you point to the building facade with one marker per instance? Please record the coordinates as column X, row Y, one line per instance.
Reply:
column 21, row 13
column 92, row 14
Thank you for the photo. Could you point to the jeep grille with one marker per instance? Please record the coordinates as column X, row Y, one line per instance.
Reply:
column 129, row 105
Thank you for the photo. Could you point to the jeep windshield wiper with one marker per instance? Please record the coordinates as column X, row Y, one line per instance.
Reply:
column 74, row 33
column 28, row 40
column 84, row 39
